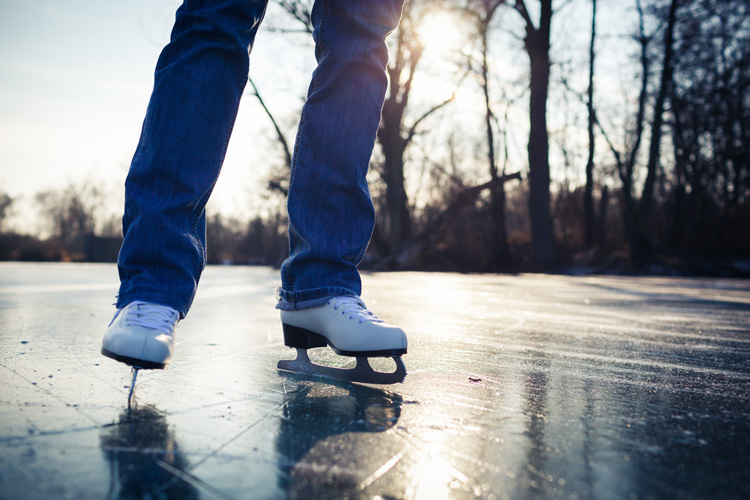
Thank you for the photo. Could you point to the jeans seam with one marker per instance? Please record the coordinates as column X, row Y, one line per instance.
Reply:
column 227, row 131
column 313, row 87
column 201, row 247
column 323, row 30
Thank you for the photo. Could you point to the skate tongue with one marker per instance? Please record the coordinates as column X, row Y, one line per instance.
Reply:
column 152, row 316
column 355, row 308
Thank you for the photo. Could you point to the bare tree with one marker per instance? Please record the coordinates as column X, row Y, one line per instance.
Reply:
column 300, row 12
column 394, row 134
column 588, row 198
column 278, row 181
column 709, row 113
column 642, row 250
column 76, row 216
column 537, row 44
column 483, row 13
column 627, row 157
column 393, row 140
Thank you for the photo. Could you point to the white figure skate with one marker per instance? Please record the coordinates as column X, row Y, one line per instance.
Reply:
column 350, row 329
column 141, row 335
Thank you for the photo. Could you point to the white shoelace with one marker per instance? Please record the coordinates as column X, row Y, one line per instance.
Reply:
column 355, row 308
column 151, row 316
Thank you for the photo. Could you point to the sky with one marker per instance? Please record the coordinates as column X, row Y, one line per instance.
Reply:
column 75, row 79
column 76, row 75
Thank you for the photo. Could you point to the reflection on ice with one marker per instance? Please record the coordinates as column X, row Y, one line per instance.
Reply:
column 311, row 465
column 144, row 458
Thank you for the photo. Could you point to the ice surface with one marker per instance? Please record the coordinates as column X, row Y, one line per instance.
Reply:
column 524, row 386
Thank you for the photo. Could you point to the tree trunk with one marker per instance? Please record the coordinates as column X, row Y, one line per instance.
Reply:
column 627, row 168
column 392, row 139
column 397, row 204
column 537, row 43
column 588, row 200
column 642, row 253
column 601, row 232
column 497, row 191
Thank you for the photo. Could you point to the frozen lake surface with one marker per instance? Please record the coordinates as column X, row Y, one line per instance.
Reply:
column 518, row 387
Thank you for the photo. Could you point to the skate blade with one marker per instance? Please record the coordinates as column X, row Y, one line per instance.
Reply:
column 362, row 372
column 132, row 385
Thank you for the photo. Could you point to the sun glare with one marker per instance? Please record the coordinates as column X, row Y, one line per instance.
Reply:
column 440, row 32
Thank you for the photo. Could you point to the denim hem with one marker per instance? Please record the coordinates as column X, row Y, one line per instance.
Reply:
column 307, row 299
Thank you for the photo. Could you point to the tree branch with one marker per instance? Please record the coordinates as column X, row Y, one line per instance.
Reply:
column 300, row 12
column 520, row 7
column 413, row 129
column 279, row 133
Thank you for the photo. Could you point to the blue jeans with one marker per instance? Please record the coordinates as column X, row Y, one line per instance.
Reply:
column 199, row 79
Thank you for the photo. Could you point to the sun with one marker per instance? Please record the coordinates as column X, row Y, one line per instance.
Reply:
column 445, row 37
column 441, row 32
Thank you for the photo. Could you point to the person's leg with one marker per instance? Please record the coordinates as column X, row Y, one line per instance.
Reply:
column 199, row 79
column 330, row 211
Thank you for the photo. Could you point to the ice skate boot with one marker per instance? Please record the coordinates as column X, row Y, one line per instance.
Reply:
column 142, row 335
column 350, row 329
